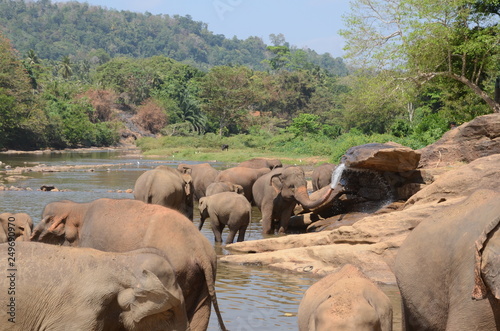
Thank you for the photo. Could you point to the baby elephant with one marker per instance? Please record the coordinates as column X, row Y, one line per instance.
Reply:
column 226, row 208
column 347, row 301
column 49, row 287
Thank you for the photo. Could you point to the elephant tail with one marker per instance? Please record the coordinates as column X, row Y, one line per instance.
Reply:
column 210, row 278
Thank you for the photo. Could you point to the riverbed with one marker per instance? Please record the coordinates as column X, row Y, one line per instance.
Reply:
column 250, row 297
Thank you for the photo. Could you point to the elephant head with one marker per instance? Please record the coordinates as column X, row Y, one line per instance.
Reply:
column 291, row 183
column 60, row 223
column 150, row 297
column 487, row 254
column 203, row 208
column 19, row 226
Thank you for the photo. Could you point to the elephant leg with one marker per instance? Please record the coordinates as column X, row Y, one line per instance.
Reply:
column 230, row 236
column 267, row 218
column 241, row 233
column 286, row 213
column 217, row 228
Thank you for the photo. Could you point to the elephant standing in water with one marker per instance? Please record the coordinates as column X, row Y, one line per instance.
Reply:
column 203, row 175
column 219, row 187
column 448, row 268
column 345, row 300
column 226, row 208
column 277, row 193
column 167, row 187
column 243, row 176
column 121, row 225
column 20, row 224
column 66, row 288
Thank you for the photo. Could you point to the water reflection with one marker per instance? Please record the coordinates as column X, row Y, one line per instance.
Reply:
column 250, row 297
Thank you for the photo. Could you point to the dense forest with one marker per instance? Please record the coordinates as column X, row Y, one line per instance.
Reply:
column 76, row 75
column 56, row 30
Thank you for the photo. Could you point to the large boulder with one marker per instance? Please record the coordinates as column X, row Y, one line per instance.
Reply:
column 372, row 242
column 468, row 142
column 382, row 157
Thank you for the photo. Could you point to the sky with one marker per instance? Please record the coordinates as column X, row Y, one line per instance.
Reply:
column 304, row 23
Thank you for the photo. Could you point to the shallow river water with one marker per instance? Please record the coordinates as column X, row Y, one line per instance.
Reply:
column 250, row 297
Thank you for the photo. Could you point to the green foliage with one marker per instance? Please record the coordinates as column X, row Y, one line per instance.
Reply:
column 305, row 124
column 57, row 30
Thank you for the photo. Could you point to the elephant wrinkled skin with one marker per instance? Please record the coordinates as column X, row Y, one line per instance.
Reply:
column 20, row 223
column 448, row 268
column 120, row 225
column 226, row 208
column 345, row 300
column 166, row 186
column 66, row 288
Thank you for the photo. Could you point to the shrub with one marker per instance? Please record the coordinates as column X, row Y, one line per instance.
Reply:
column 150, row 116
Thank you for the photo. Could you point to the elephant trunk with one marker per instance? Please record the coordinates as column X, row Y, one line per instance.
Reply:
column 303, row 198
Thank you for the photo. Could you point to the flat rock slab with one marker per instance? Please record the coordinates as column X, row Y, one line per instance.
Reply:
column 382, row 157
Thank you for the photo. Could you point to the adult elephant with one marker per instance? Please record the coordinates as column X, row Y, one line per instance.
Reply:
column 18, row 226
column 345, row 300
column 243, row 176
column 167, row 187
column 277, row 193
column 203, row 175
column 448, row 270
column 260, row 162
column 120, row 225
column 65, row 288
column 322, row 175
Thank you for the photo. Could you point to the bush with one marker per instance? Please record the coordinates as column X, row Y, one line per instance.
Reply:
column 150, row 116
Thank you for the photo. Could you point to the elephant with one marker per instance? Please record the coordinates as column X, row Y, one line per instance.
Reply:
column 447, row 269
column 66, row 288
column 120, row 225
column 243, row 176
column 226, row 208
column 260, row 162
column 277, row 193
column 203, row 175
column 345, row 300
column 219, row 187
column 322, row 175
column 17, row 226
column 167, row 187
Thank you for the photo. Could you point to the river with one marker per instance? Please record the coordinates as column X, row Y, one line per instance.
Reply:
column 250, row 297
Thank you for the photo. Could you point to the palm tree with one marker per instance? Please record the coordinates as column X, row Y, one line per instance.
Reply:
column 65, row 67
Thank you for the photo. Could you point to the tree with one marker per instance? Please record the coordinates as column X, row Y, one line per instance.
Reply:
column 425, row 39
column 65, row 67
column 228, row 94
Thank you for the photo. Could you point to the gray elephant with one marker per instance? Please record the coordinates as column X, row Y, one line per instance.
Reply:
column 322, row 175
column 345, row 300
column 65, row 288
column 243, row 176
column 120, row 225
column 17, row 226
column 277, row 193
column 226, row 208
column 448, row 269
column 219, row 187
column 260, row 162
column 167, row 187
column 203, row 175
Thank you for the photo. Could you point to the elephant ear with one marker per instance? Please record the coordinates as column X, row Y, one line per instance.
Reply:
column 487, row 262
column 148, row 297
column 50, row 225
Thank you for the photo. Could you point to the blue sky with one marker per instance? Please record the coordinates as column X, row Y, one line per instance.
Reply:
column 304, row 23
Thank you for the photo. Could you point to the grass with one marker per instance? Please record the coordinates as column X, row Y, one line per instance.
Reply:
column 290, row 149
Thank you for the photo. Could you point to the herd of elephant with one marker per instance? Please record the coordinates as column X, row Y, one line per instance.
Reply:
column 127, row 264
column 227, row 196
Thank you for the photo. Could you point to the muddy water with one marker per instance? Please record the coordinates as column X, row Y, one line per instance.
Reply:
column 250, row 297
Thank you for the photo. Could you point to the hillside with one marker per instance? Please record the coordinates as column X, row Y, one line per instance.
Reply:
column 84, row 32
